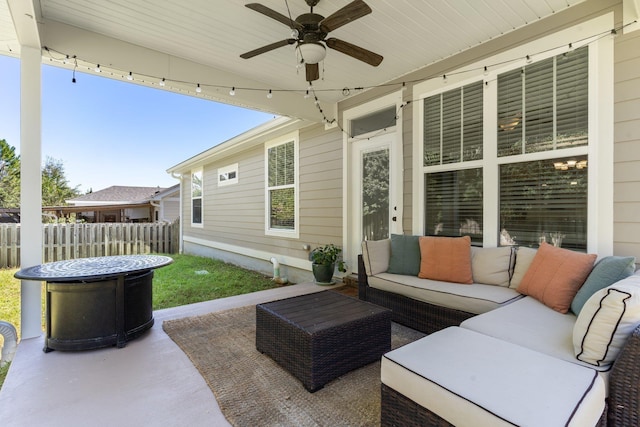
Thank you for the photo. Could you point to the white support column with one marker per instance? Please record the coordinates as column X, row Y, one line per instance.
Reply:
column 30, row 187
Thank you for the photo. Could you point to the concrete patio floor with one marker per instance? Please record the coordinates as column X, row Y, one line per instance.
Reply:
column 150, row 382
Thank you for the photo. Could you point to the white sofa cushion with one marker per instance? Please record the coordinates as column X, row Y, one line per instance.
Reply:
column 606, row 321
column 376, row 254
column 524, row 258
column 475, row 298
column 529, row 323
column 492, row 266
column 471, row 379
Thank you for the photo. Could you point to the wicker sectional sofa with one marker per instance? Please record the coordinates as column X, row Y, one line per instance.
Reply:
column 494, row 356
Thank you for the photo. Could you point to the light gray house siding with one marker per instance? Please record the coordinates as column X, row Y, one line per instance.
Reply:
column 627, row 145
column 234, row 215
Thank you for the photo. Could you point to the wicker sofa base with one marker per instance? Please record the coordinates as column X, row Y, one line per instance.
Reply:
column 398, row 410
column 418, row 315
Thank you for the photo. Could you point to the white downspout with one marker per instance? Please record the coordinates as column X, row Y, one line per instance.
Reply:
column 276, row 272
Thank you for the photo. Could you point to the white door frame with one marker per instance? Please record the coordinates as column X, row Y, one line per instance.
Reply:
column 350, row 244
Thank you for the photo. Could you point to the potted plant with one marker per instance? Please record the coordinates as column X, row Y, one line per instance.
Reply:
column 323, row 262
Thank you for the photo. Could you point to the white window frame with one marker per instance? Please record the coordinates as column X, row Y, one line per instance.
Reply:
column 599, row 150
column 295, row 233
column 224, row 172
column 194, row 172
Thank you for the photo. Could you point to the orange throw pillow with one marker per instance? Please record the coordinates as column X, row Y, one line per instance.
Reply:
column 445, row 258
column 555, row 276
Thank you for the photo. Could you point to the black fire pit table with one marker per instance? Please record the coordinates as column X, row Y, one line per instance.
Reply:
column 321, row 336
column 96, row 302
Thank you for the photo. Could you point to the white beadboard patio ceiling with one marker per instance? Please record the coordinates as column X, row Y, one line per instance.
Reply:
column 211, row 34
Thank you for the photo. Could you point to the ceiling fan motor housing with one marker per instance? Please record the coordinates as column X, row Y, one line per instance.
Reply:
column 311, row 31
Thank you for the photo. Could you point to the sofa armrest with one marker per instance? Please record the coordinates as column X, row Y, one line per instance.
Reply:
column 363, row 284
column 624, row 384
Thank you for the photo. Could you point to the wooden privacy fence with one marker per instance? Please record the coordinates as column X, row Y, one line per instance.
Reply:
column 70, row 241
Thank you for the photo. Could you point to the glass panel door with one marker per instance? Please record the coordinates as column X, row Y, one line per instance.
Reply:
column 375, row 194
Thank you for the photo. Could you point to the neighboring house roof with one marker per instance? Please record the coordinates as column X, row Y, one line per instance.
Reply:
column 171, row 191
column 118, row 195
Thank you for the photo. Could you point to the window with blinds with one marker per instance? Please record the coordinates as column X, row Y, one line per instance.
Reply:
column 453, row 203
column 281, row 186
column 375, row 121
column 196, row 197
column 544, row 106
column 453, row 125
column 545, row 201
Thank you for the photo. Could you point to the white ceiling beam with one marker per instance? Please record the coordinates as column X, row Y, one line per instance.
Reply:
column 126, row 57
column 25, row 22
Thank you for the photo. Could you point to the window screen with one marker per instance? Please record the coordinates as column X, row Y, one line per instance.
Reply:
column 544, row 106
column 454, row 203
column 453, row 125
column 545, row 201
column 281, row 186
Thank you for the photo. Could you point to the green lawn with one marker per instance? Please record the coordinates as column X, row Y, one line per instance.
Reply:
column 188, row 280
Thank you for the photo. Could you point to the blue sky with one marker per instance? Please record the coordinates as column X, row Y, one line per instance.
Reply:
column 108, row 132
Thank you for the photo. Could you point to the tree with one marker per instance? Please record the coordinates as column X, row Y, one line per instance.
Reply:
column 9, row 176
column 55, row 187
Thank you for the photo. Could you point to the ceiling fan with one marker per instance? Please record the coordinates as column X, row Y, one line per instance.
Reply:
column 309, row 32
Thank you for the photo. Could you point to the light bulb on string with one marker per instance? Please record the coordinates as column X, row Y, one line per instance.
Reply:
column 270, row 94
column 198, row 88
column 97, row 69
column 232, row 92
column 130, row 76
column 162, row 82
column 306, row 95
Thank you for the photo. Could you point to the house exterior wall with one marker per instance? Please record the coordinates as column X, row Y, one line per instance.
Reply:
column 626, row 221
column 169, row 209
column 627, row 145
column 234, row 215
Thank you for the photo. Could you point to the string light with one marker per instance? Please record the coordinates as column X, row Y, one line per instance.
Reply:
column 310, row 91
column 75, row 66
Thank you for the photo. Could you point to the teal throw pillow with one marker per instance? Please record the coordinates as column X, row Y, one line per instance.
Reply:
column 405, row 255
column 606, row 272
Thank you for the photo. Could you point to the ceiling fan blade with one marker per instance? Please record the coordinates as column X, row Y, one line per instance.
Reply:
column 275, row 15
column 354, row 51
column 354, row 10
column 267, row 48
column 313, row 72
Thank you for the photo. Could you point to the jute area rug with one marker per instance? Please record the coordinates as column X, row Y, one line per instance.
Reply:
column 253, row 390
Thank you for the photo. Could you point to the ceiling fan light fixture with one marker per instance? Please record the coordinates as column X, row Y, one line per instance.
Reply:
column 311, row 52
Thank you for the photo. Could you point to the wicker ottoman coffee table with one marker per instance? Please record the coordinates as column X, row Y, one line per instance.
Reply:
column 319, row 337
